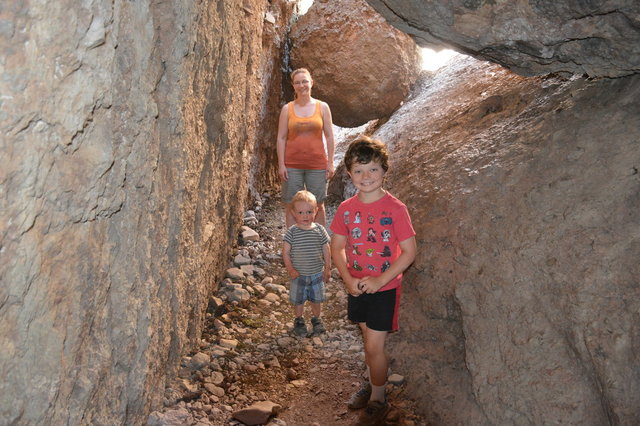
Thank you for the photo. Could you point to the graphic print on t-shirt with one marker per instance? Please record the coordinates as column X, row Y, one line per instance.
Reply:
column 373, row 234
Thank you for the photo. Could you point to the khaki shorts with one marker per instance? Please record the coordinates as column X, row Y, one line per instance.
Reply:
column 314, row 181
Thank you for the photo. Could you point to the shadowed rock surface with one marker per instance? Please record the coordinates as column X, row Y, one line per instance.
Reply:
column 597, row 38
column 362, row 66
column 522, row 305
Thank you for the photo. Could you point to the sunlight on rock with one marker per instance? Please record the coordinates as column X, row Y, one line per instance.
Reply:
column 432, row 60
column 303, row 6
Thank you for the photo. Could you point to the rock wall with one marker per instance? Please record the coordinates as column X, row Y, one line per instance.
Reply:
column 531, row 37
column 522, row 305
column 128, row 130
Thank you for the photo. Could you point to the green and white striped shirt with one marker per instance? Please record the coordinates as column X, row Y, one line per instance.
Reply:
column 306, row 248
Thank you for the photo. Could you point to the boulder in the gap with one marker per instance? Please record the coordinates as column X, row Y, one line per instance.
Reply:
column 361, row 66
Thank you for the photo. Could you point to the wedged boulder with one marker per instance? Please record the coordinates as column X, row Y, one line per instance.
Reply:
column 362, row 66
column 598, row 38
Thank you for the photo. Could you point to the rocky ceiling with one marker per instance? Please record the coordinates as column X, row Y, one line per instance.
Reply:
column 599, row 38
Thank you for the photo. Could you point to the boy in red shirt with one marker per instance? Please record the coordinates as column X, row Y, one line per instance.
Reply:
column 373, row 243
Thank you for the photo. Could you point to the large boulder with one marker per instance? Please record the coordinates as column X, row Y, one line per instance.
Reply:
column 362, row 66
column 522, row 305
column 598, row 38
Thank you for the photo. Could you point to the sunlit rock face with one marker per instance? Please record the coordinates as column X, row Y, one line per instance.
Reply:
column 128, row 129
column 597, row 38
column 362, row 66
column 523, row 304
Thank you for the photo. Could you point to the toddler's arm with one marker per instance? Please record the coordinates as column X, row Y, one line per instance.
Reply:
column 339, row 256
column 406, row 258
column 286, row 257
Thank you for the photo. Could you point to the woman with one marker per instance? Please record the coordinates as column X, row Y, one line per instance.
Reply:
column 303, row 162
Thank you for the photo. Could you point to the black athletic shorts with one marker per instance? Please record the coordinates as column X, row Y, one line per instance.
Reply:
column 379, row 311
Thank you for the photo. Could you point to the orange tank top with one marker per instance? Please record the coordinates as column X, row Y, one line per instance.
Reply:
column 305, row 147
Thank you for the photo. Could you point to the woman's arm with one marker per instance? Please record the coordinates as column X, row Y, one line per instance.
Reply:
column 327, row 128
column 283, row 130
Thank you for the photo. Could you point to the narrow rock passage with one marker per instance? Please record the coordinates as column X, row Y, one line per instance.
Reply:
column 248, row 355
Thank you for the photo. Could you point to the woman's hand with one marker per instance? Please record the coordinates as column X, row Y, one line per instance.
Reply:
column 330, row 171
column 284, row 174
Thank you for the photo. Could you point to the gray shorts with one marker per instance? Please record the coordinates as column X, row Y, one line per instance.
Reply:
column 314, row 181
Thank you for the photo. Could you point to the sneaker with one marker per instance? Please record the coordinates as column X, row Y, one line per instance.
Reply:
column 299, row 327
column 374, row 414
column 318, row 328
column 361, row 397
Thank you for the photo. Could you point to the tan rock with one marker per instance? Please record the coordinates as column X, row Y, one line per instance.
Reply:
column 258, row 413
column 362, row 66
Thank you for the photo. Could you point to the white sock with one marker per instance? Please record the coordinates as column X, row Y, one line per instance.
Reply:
column 377, row 393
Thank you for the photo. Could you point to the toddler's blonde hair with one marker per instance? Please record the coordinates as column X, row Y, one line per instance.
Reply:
column 305, row 196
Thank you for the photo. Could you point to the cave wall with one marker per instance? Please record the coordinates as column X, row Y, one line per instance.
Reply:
column 522, row 306
column 128, row 132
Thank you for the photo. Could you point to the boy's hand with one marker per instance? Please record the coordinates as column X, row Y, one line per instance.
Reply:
column 293, row 273
column 370, row 284
column 353, row 286
column 326, row 274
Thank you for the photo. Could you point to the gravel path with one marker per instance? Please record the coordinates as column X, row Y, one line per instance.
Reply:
column 248, row 355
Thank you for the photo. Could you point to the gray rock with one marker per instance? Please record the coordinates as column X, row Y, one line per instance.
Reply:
column 199, row 361
column 235, row 274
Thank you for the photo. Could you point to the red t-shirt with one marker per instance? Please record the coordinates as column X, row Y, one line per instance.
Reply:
column 373, row 233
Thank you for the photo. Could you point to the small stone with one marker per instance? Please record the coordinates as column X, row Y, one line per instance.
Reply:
column 216, row 378
column 277, row 288
column 273, row 363
column 229, row 343
column 271, row 297
column 257, row 413
column 240, row 260
column 249, row 234
column 395, row 379
column 248, row 269
column 199, row 361
column 292, row 374
column 235, row 274
column 214, row 390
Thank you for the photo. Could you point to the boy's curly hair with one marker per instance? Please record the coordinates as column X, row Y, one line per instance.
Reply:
column 364, row 150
